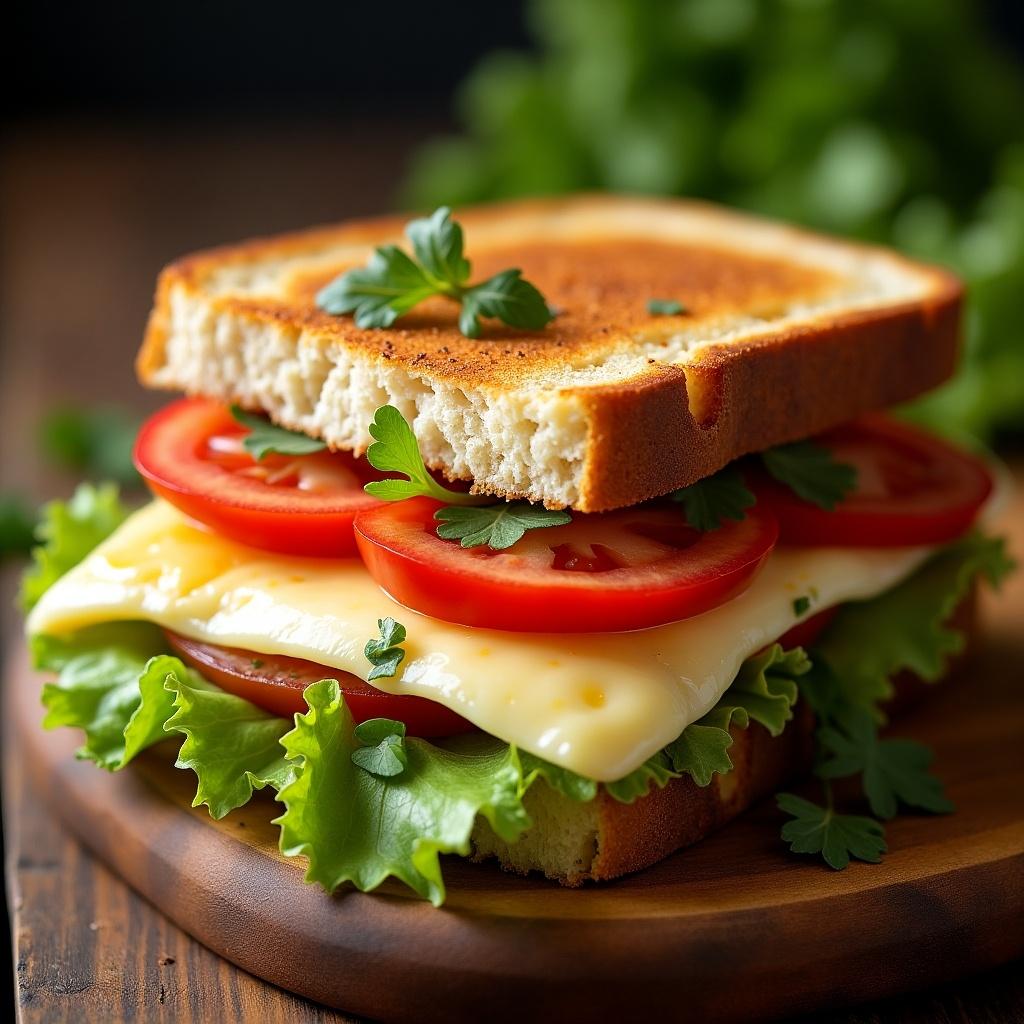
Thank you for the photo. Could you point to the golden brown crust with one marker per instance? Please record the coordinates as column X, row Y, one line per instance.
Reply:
column 650, row 430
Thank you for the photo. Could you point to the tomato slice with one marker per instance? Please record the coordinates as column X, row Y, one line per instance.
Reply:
column 275, row 683
column 191, row 454
column 607, row 572
column 912, row 489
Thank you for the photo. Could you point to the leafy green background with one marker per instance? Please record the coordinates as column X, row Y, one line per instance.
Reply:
column 900, row 121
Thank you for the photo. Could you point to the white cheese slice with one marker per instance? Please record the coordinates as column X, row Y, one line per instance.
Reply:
column 598, row 704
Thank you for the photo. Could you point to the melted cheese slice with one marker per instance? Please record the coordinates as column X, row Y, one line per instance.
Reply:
column 598, row 704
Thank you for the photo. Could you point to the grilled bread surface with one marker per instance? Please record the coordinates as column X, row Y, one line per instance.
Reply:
column 785, row 333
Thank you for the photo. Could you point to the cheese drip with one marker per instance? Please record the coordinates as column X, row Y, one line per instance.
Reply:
column 598, row 704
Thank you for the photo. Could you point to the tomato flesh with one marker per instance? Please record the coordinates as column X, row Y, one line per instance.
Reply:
column 275, row 683
column 912, row 489
column 191, row 454
column 607, row 572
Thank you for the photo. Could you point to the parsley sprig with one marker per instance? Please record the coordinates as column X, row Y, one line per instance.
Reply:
column 392, row 283
column 383, row 750
column 384, row 652
column 710, row 501
column 265, row 437
column 811, row 472
column 466, row 517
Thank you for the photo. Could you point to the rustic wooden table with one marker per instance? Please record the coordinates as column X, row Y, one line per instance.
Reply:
column 87, row 216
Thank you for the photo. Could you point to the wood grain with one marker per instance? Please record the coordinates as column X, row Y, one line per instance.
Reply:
column 734, row 928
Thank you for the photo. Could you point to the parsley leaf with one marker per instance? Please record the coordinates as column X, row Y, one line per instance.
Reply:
column 665, row 307
column 810, row 471
column 392, row 283
column 715, row 498
column 498, row 526
column 837, row 837
column 383, row 752
column 383, row 653
column 265, row 437
column 395, row 450
column 801, row 604
column 895, row 771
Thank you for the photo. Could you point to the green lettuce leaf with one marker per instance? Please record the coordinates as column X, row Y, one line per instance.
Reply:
column 233, row 746
column 67, row 532
column 126, row 700
column 907, row 627
column 360, row 827
column 97, row 688
column 764, row 691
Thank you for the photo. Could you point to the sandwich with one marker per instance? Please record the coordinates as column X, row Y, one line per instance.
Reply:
column 555, row 532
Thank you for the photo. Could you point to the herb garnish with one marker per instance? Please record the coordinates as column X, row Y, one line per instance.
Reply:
column 715, row 498
column 383, row 652
column 498, row 525
column 665, row 307
column 801, row 604
column 265, row 437
column 383, row 747
column 392, row 283
column 811, row 472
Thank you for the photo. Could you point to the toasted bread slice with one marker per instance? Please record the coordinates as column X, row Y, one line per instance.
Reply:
column 785, row 333
column 573, row 842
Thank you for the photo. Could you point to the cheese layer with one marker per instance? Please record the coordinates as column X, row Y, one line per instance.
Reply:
column 598, row 704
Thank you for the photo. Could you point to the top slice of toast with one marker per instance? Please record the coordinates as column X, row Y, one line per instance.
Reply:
column 785, row 334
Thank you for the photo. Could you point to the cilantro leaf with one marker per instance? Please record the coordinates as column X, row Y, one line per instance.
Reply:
column 710, row 501
column 837, row 837
column 376, row 826
column 498, row 526
column 265, row 437
column 395, row 450
column 67, row 532
column 810, row 471
column 507, row 297
column 392, row 283
column 895, row 771
column 665, row 307
column 383, row 752
column 383, row 653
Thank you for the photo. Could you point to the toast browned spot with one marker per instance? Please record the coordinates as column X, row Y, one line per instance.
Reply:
column 786, row 333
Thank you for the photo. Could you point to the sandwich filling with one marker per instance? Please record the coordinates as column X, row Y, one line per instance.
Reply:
column 441, row 657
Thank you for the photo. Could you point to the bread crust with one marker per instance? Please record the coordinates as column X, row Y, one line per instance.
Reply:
column 658, row 401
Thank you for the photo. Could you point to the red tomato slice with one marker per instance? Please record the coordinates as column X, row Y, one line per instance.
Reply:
column 275, row 683
column 912, row 489
column 191, row 454
column 623, row 570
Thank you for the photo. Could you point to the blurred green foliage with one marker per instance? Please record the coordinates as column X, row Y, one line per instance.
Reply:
column 93, row 442
column 892, row 120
